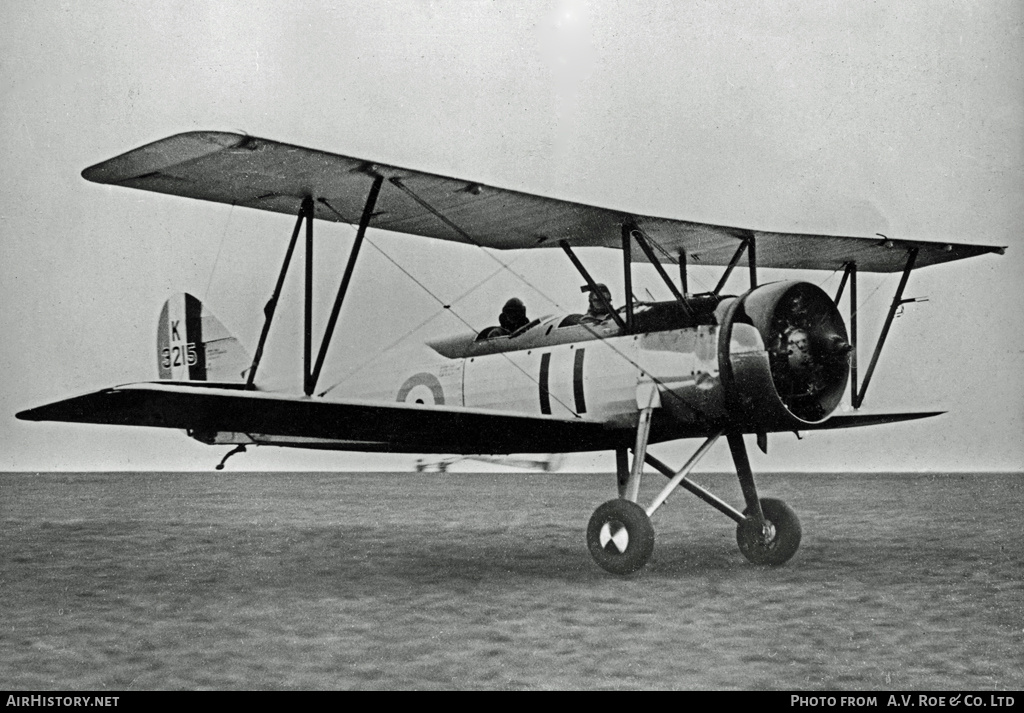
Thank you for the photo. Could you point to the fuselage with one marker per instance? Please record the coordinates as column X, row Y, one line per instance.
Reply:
column 561, row 367
column 773, row 359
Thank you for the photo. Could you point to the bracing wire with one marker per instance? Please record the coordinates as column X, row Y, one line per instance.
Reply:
column 359, row 368
column 502, row 266
column 827, row 278
column 220, row 247
column 448, row 307
column 871, row 295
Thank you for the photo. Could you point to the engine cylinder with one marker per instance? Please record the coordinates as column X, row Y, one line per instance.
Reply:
column 784, row 356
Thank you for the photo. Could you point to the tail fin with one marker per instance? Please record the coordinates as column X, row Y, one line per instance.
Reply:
column 192, row 344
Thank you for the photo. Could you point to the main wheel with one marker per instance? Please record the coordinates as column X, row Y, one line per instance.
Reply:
column 774, row 543
column 620, row 536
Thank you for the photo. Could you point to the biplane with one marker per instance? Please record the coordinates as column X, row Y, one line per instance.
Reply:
column 776, row 358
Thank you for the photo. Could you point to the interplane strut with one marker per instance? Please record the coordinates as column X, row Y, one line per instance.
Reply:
column 364, row 222
column 897, row 300
column 850, row 276
column 311, row 370
column 305, row 212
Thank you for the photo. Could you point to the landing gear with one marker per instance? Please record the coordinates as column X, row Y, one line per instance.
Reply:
column 772, row 541
column 769, row 533
column 620, row 536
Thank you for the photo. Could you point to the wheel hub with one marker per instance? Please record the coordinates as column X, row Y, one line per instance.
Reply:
column 614, row 537
column 773, row 540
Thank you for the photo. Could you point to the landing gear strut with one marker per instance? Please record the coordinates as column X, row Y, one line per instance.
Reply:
column 770, row 531
column 620, row 535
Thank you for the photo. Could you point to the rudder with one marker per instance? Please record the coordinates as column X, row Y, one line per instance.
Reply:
column 192, row 344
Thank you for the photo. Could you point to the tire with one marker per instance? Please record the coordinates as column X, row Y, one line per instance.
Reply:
column 620, row 536
column 783, row 534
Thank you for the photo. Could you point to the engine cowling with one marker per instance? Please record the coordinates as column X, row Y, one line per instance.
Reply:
column 784, row 356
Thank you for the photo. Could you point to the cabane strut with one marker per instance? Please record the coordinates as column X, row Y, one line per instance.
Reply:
column 746, row 245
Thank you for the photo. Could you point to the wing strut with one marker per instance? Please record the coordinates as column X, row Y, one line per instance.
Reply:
column 311, row 371
column 746, row 245
column 850, row 274
column 364, row 221
column 641, row 240
column 271, row 307
column 897, row 300
column 307, row 351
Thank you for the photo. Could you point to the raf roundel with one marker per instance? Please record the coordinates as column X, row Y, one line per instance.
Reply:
column 422, row 388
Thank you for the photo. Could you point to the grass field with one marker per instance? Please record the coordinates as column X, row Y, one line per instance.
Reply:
column 313, row 580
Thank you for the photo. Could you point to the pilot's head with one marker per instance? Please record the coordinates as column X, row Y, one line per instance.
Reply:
column 595, row 302
column 514, row 308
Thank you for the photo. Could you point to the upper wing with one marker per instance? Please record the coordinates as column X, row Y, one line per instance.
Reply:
column 257, row 173
column 353, row 425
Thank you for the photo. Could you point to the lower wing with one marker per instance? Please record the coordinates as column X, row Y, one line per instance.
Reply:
column 205, row 409
column 855, row 420
column 228, row 413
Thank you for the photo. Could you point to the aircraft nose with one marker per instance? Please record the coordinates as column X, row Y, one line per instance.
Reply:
column 807, row 349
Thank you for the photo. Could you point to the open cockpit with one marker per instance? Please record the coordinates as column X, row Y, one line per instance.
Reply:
column 552, row 330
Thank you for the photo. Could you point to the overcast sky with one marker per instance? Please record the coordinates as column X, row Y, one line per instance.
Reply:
column 902, row 118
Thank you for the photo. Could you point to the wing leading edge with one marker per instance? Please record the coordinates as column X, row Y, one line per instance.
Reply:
column 273, row 176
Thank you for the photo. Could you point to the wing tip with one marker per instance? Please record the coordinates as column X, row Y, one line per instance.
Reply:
column 162, row 153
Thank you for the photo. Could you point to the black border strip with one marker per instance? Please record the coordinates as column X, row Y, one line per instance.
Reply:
column 577, row 381
column 545, row 395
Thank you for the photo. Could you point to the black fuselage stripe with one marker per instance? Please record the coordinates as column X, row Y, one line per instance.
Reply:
column 545, row 395
column 577, row 381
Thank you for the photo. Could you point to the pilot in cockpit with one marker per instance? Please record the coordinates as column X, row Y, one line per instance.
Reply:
column 513, row 315
column 512, row 318
column 597, row 312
